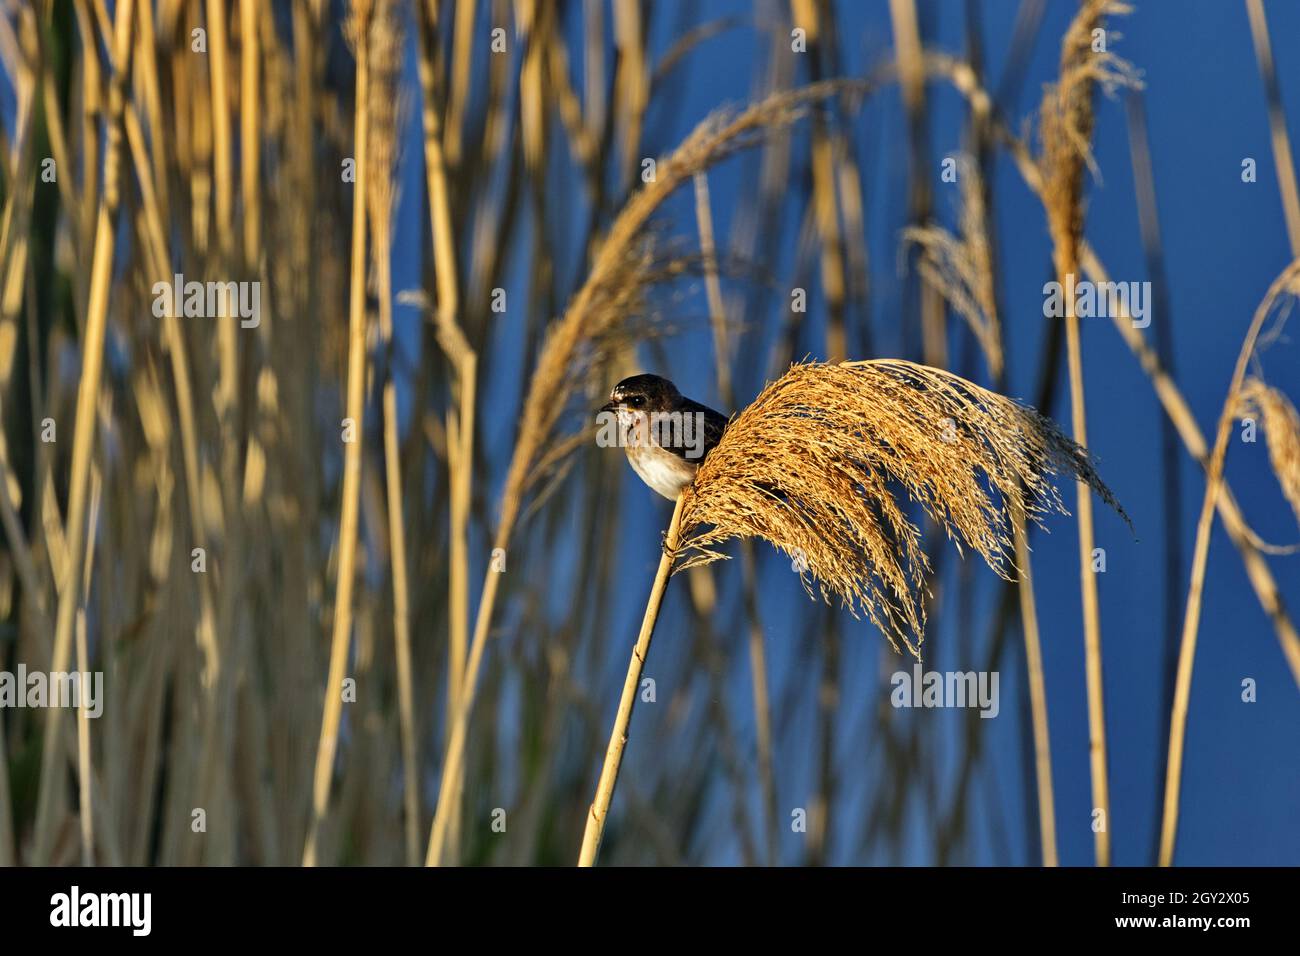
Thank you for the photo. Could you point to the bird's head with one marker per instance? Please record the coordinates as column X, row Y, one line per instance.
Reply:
column 642, row 394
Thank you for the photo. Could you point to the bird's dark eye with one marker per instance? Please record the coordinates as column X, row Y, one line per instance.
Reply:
column 636, row 401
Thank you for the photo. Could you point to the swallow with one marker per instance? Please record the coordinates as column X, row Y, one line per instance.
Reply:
column 666, row 435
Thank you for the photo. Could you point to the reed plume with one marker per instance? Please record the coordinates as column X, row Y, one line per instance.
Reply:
column 1281, row 426
column 815, row 465
column 960, row 266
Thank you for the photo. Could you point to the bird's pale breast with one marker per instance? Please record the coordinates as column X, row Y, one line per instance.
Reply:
column 663, row 471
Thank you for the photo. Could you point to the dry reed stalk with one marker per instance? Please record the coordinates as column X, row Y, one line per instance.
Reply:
column 84, row 771
column 1281, row 426
column 84, row 428
column 1286, row 180
column 214, row 777
column 713, row 288
column 90, row 112
column 631, row 82
column 221, row 145
column 809, row 465
column 333, row 694
column 911, row 75
column 825, row 204
column 149, row 91
column 599, row 809
column 1091, row 604
column 249, row 133
column 596, row 309
column 1065, row 128
column 1288, row 282
column 14, row 237
column 532, row 19
column 462, row 63
column 460, row 418
column 1037, row 688
column 383, row 194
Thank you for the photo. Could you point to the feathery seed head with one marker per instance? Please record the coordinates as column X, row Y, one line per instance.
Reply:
column 815, row 466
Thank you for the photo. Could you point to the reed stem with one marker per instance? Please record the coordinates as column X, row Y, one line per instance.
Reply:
column 1037, row 688
column 1091, row 608
column 599, row 810
column 83, row 438
column 331, row 715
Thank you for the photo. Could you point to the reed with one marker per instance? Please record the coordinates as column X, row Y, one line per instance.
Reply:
column 362, row 11
column 960, row 266
column 1065, row 128
column 1287, row 283
column 1281, row 425
column 598, row 812
column 808, row 467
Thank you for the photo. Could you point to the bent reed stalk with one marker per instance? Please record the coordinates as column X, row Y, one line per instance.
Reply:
column 1288, row 281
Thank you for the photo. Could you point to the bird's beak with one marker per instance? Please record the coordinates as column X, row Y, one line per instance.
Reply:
column 608, row 407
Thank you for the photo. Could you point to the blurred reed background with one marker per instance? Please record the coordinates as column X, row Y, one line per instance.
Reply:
column 361, row 584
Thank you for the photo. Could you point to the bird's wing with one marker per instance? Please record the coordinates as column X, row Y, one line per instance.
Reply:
column 714, row 425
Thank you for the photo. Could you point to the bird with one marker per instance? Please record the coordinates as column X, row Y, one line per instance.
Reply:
column 666, row 435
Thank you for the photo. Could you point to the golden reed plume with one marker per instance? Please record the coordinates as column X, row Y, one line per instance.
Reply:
column 815, row 466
